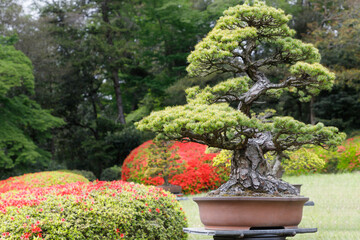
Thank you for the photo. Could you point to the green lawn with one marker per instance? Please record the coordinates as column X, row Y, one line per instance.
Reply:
column 336, row 213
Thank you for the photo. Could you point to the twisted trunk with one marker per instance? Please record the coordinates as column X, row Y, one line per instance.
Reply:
column 277, row 169
column 250, row 173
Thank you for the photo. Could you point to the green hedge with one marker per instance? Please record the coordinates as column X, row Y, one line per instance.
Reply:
column 111, row 174
column 98, row 210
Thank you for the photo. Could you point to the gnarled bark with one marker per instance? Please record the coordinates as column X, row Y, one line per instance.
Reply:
column 250, row 172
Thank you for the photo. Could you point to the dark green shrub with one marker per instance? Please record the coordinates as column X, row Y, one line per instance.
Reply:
column 97, row 210
column 111, row 174
column 126, row 140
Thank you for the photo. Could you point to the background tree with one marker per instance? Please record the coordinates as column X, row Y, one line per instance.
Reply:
column 95, row 51
column 96, row 39
column 112, row 30
column 82, row 144
column 208, row 117
column 25, row 127
column 335, row 34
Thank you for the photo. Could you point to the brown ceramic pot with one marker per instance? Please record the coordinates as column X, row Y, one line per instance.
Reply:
column 244, row 213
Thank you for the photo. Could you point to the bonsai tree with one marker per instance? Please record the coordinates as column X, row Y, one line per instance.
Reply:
column 163, row 161
column 245, row 42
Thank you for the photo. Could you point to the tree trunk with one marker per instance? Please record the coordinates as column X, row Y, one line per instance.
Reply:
column 277, row 170
column 119, row 104
column 250, row 173
column 115, row 69
column 166, row 181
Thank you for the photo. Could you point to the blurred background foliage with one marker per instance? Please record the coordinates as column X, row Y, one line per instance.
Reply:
column 89, row 69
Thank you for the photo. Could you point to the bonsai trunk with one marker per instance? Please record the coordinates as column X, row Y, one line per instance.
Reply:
column 277, row 169
column 250, row 175
column 166, row 181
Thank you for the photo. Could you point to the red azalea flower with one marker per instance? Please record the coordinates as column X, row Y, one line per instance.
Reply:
column 199, row 176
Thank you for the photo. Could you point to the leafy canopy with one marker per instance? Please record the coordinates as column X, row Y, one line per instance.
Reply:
column 23, row 123
column 239, row 32
column 15, row 69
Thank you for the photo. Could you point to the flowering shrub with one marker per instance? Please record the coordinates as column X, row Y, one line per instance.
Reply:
column 97, row 210
column 349, row 155
column 302, row 161
column 40, row 179
column 346, row 158
column 199, row 174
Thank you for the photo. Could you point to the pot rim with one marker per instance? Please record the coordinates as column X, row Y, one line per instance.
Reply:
column 249, row 198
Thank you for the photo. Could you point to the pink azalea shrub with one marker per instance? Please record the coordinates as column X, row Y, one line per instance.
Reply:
column 95, row 210
column 40, row 179
column 349, row 155
column 199, row 174
column 346, row 158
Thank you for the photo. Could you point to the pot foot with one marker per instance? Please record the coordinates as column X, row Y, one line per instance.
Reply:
column 251, row 238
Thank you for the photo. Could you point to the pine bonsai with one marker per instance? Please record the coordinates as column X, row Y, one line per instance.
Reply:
column 246, row 41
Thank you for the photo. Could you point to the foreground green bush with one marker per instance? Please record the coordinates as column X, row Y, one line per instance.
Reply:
column 98, row 210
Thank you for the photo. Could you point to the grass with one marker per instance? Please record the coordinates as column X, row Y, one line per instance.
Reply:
column 336, row 213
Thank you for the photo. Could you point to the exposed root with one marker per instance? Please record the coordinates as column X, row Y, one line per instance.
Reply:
column 269, row 186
